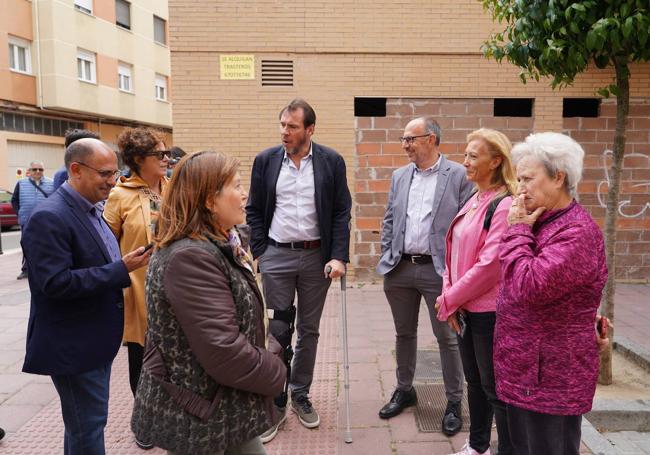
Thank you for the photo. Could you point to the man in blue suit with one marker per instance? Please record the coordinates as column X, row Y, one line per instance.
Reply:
column 76, row 276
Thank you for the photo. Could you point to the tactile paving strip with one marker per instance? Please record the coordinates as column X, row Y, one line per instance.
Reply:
column 293, row 438
column 431, row 407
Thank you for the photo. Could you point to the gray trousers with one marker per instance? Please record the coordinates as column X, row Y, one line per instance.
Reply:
column 285, row 273
column 404, row 287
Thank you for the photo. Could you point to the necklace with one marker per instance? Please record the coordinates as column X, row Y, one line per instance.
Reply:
column 480, row 194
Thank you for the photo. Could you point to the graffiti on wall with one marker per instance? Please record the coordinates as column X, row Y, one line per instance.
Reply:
column 624, row 205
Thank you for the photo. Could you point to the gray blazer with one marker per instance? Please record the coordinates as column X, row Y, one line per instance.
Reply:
column 452, row 191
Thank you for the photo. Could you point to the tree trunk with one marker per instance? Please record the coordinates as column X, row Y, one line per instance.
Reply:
column 611, row 215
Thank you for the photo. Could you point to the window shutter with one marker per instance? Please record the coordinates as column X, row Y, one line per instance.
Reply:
column 159, row 34
column 123, row 13
column 84, row 5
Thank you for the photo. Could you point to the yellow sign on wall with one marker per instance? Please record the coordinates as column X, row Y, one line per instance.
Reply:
column 237, row 67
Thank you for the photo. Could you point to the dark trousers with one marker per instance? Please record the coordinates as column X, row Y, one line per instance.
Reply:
column 476, row 354
column 534, row 433
column 288, row 273
column 84, row 406
column 405, row 286
column 136, row 353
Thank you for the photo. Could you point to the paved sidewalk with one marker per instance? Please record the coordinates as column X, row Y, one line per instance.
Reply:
column 29, row 410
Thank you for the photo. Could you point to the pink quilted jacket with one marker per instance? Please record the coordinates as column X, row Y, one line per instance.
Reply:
column 477, row 288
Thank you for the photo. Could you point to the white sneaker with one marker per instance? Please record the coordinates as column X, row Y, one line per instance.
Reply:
column 467, row 450
column 269, row 434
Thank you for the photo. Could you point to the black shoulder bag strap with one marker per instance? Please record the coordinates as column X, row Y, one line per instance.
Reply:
column 39, row 188
column 491, row 209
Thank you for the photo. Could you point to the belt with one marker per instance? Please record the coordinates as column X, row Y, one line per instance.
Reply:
column 300, row 245
column 417, row 258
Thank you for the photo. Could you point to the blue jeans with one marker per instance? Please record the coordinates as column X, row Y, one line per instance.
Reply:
column 84, row 405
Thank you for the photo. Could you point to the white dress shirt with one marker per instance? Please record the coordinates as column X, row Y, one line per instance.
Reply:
column 295, row 217
column 418, row 212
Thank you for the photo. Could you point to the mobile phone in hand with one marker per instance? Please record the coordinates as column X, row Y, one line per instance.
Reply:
column 147, row 248
column 462, row 323
column 601, row 327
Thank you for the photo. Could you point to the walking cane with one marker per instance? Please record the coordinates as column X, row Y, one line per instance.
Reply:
column 346, row 363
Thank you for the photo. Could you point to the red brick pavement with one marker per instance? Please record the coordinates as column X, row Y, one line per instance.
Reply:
column 30, row 411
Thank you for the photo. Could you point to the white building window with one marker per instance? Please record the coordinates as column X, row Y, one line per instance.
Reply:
column 19, row 55
column 84, row 5
column 125, row 77
column 123, row 14
column 161, row 87
column 159, row 30
column 86, row 66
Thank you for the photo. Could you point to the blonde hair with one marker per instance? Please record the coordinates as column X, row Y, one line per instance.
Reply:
column 184, row 212
column 498, row 145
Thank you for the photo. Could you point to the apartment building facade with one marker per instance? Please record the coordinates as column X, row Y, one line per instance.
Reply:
column 94, row 64
column 368, row 67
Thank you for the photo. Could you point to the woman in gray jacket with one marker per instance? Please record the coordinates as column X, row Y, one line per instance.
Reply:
column 209, row 368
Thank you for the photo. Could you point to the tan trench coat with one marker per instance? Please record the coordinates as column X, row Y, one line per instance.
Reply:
column 128, row 213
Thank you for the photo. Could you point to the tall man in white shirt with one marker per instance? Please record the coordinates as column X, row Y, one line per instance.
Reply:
column 299, row 213
column 424, row 197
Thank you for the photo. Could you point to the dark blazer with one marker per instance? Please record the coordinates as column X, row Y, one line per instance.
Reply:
column 452, row 191
column 333, row 201
column 76, row 317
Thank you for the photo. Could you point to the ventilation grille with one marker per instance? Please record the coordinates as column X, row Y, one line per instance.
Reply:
column 277, row 73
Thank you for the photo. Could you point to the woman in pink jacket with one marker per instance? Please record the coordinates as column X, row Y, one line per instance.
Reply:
column 554, row 270
column 471, row 281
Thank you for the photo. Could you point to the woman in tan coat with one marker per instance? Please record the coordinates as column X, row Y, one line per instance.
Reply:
column 131, row 211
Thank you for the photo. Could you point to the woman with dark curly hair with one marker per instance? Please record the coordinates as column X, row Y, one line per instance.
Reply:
column 131, row 211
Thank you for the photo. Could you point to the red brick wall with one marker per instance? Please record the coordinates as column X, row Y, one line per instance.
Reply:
column 596, row 136
column 378, row 154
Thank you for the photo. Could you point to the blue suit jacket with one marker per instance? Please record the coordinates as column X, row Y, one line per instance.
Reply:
column 76, row 317
column 333, row 201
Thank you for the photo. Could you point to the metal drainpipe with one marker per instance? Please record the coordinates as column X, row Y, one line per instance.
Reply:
column 39, row 103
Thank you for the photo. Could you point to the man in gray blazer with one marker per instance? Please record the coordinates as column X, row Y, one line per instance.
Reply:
column 424, row 197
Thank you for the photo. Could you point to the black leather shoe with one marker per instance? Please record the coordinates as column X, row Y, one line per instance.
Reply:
column 401, row 399
column 452, row 421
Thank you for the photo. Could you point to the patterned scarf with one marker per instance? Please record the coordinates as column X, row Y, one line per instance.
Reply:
column 241, row 255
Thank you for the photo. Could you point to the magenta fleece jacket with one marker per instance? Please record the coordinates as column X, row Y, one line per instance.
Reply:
column 553, row 274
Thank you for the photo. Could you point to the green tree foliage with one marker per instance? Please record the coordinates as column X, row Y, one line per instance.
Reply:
column 559, row 39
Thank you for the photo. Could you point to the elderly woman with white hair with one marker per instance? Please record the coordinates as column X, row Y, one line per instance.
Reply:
column 553, row 273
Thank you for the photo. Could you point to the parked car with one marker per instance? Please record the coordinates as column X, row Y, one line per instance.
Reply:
column 8, row 218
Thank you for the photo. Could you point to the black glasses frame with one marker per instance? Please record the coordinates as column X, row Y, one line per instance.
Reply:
column 105, row 174
column 410, row 139
column 160, row 154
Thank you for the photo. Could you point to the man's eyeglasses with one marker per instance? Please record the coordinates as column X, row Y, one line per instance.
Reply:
column 37, row 169
column 410, row 139
column 160, row 154
column 105, row 174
